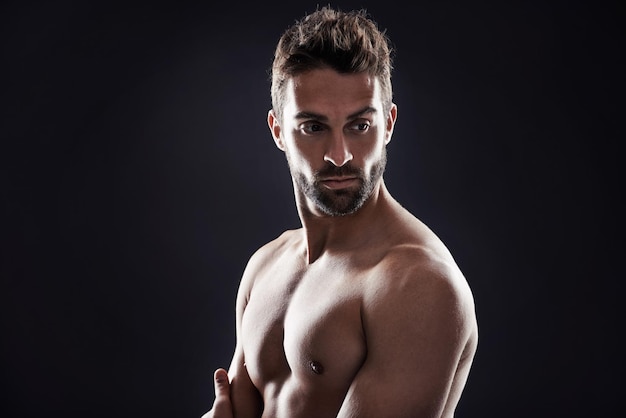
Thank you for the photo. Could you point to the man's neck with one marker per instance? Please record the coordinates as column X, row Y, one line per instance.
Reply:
column 325, row 234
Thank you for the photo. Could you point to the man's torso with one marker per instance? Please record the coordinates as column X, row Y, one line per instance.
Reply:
column 302, row 331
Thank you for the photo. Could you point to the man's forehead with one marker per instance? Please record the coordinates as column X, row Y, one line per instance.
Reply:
column 329, row 80
column 321, row 91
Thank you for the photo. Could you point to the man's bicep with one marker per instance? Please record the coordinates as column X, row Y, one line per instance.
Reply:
column 415, row 336
column 386, row 392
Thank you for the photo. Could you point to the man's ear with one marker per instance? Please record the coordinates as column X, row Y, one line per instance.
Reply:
column 391, row 122
column 272, row 122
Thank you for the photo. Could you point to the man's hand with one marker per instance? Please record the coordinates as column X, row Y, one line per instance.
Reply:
column 222, row 407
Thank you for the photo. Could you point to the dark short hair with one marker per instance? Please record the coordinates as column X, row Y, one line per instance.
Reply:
column 348, row 42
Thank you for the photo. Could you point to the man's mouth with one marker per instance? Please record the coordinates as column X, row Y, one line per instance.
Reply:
column 336, row 183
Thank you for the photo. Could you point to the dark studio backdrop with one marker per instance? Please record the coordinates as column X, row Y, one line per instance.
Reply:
column 138, row 176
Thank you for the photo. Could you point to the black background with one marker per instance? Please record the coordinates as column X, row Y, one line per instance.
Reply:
column 138, row 176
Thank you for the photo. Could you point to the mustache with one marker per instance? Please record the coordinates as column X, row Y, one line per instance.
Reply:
column 331, row 170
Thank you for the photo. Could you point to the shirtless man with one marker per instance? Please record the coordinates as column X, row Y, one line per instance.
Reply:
column 363, row 311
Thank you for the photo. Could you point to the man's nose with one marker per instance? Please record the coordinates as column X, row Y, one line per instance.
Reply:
column 337, row 152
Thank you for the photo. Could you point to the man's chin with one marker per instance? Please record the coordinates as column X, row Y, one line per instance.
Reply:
column 341, row 203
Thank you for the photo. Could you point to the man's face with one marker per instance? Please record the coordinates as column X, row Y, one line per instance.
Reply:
column 334, row 135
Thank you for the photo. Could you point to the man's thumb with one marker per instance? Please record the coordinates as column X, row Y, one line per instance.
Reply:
column 222, row 407
column 222, row 386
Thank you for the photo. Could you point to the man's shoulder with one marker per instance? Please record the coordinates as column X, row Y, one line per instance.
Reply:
column 279, row 245
column 274, row 249
column 414, row 263
column 425, row 272
column 418, row 287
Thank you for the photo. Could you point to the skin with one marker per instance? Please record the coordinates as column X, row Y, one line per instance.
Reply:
column 360, row 314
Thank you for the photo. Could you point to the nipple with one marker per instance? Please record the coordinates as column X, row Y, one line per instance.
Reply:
column 316, row 367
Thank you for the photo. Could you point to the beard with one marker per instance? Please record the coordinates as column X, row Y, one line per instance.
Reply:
column 343, row 201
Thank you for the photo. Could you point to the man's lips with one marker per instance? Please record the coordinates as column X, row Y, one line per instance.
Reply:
column 335, row 183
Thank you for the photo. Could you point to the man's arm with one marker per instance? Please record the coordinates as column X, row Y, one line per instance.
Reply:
column 419, row 327
column 244, row 400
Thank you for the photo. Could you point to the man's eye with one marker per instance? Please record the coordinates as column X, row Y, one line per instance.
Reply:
column 311, row 128
column 360, row 126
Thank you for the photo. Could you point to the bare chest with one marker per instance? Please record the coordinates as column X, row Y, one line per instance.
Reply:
column 305, row 327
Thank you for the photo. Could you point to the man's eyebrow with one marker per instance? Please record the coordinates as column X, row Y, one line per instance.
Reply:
column 310, row 115
column 362, row 112
column 322, row 118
